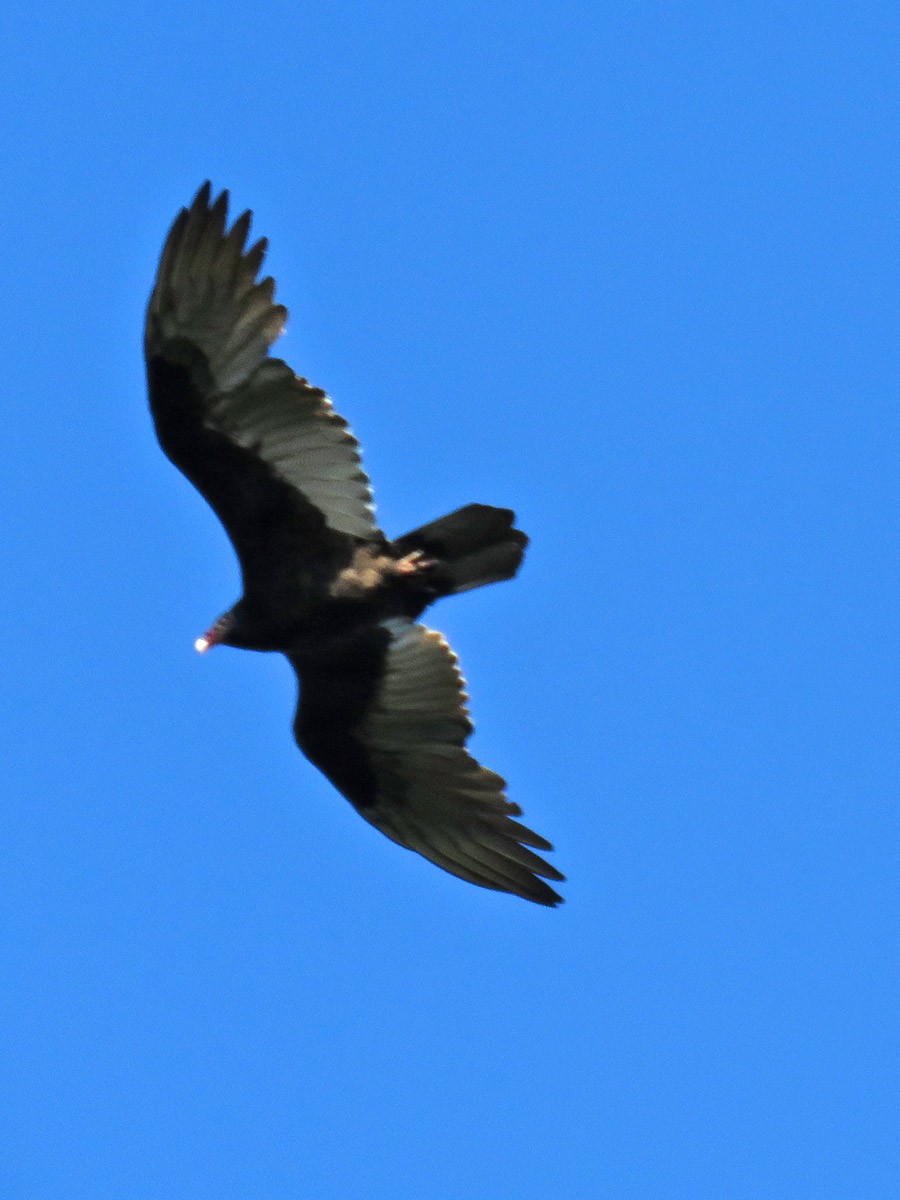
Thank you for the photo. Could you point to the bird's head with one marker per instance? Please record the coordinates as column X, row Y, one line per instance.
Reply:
column 220, row 631
column 243, row 626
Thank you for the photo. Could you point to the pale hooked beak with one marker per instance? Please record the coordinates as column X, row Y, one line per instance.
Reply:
column 213, row 636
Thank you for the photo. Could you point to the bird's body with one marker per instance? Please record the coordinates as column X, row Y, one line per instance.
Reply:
column 382, row 707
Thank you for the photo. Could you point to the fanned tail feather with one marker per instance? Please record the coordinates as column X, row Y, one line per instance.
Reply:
column 474, row 546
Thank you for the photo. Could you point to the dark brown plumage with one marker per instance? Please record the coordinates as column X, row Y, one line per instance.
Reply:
column 382, row 703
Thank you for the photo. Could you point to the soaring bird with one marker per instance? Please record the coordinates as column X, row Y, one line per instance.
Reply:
column 382, row 706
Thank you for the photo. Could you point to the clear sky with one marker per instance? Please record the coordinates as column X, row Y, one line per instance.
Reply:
column 631, row 269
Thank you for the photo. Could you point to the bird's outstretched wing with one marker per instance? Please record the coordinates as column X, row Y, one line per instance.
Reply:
column 264, row 447
column 384, row 717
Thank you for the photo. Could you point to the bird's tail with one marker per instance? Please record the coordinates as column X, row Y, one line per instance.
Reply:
column 473, row 546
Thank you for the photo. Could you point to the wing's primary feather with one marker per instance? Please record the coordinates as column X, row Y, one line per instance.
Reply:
column 385, row 718
column 245, row 429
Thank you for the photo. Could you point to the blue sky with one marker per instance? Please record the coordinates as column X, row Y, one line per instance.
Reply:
column 631, row 269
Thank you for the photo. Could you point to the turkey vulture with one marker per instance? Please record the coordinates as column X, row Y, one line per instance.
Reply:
column 382, row 709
